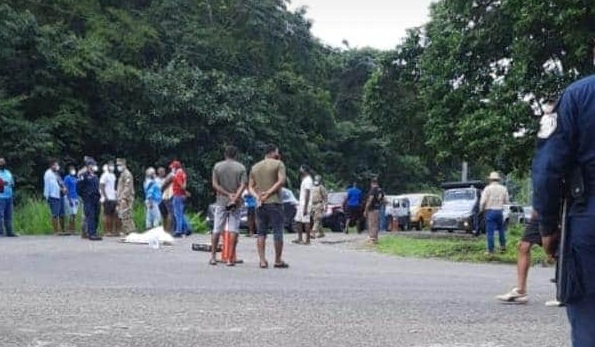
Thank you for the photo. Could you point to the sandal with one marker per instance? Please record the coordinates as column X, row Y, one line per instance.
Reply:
column 230, row 264
column 212, row 262
column 297, row 242
column 264, row 265
column 281, row 265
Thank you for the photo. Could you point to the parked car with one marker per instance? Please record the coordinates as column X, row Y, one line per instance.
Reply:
column 401, row 212
column 513, row 214
column 334, row 217
column 460, row 210
column 527, row 214
column 422, row 207
column 289, row 208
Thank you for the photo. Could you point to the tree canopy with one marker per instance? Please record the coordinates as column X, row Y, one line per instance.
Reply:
column 154, row 80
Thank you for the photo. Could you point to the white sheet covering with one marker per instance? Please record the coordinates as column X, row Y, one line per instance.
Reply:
column 144, row 238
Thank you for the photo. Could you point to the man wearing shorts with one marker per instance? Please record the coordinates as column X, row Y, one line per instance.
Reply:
column 53, row 192
column 229, row 182
column 267, row 178
column 531, row 236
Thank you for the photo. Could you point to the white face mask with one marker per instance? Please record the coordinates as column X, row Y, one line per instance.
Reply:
column 57, row 168
column 72, row 173
column 120, row 168
column 94, row 168
column 104, row 168
column 111, row 168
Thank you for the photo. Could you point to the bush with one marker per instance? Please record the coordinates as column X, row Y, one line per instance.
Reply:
column 32, row 217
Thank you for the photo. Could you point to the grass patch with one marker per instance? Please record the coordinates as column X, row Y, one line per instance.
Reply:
column 461, row 248
column 32, row 217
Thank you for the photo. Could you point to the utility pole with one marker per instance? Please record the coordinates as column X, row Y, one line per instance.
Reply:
column 465, row 172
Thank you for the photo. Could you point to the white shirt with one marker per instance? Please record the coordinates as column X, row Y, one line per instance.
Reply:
column 109, row 180
column 494, row 197
column 305, row 187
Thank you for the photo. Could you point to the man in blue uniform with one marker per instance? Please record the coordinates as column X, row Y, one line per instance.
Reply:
column 353, row 207
column 88, row 189
column 565, row 145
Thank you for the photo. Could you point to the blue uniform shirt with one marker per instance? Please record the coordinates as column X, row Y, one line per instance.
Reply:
column 70, row 183
column 565, row 143
column 250, row 200
column 152, row 191
column 6, row 176
column 354, row 197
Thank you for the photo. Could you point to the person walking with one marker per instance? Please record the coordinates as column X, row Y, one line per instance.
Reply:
column 492, row 202
column 125, row 196
column 353, row 207
column 565, row 150
column 229, row 180
column 319, row 203
column 72, row 199
column 374, row 201
column 53, row 192
column 107, row 188
column 152, row 191
column 6, row 200
column 303, row 218
column 267, row 177
column 88, row 189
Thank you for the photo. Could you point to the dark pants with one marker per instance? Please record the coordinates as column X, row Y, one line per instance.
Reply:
column 581, row 313
column 6, row 208
column 495, row 221
column 91, row 209
column 270, row 216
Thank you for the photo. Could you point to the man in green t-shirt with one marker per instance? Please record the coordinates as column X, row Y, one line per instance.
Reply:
column 267, row 177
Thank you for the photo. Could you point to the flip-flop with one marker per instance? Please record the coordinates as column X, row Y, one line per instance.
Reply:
column 297, row 242
column 265, row 265
column 281, row 265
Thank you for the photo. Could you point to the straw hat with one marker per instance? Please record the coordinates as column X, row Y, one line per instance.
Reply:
column 494, row 176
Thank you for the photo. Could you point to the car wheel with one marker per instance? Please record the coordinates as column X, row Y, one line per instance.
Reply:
column 339, row 223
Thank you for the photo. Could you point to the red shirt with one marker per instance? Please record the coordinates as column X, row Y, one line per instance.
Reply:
column 178, row 182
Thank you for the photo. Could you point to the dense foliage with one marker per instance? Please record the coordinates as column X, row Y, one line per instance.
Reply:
column 154, row 80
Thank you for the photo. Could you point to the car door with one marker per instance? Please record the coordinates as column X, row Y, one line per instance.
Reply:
column 426, row 208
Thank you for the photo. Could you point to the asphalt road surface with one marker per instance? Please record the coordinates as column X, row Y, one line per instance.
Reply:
column 69, row 292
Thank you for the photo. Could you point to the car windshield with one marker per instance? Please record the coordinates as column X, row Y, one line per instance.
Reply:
column 459, row 194
column 336, row 198
column 414, row 200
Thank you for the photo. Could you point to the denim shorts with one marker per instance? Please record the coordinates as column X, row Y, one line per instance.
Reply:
column 224, row 217
column 270, row 216
column 56, row 207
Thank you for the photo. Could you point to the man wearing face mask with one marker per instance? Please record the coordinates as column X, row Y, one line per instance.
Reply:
column 125, row 196
column 6, row 200
column 88, row 189
column 53, row 192
column 152, row 199
column 107, row 188
column 72, row 199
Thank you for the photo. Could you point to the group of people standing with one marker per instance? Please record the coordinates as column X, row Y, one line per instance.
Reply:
column 112, row 193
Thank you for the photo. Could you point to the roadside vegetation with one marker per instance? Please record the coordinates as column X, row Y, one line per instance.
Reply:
column 32, row 217
column 455, row 247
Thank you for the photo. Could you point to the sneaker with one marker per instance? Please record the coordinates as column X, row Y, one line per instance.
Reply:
column 513, row 297
column 554, row 303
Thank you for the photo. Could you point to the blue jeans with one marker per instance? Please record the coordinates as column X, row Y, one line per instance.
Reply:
column 91, row 209
column 495, row 221
column 6, row 208
column 181, row 223
column 153, row 215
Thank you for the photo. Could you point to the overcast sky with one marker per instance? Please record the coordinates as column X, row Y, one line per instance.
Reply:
column 374, row 23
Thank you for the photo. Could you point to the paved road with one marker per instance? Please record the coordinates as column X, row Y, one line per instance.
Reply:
column 69, row 292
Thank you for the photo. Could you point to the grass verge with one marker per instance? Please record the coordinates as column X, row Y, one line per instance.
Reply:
column 32, row 217
column 455, row 247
